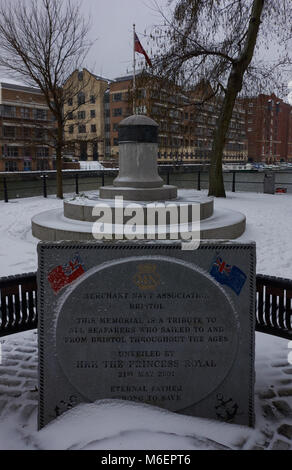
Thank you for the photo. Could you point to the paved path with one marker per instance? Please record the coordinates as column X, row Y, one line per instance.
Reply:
column 273, row 400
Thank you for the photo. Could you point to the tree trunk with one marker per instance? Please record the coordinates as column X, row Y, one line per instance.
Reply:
column 216, row 182
column 59, row 160
column 234, row 86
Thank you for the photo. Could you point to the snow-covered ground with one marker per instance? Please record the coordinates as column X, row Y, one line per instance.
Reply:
column 122, row 425
column 269, row 221
column 118, row 425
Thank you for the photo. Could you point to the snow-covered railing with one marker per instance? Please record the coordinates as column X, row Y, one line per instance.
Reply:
column 18, row 305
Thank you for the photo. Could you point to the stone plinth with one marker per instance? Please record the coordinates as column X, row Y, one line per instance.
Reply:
column 138, row 178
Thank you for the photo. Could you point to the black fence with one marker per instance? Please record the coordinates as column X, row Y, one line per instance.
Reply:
column 274, row 302
column 18, row 303
column 25, row 184
column 29, row 184
column 18, row 307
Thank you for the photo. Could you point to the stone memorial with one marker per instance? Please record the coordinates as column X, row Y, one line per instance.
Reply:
column 147, row 322
column 138, row 182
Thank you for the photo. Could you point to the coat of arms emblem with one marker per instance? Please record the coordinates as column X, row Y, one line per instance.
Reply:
column 146, row 278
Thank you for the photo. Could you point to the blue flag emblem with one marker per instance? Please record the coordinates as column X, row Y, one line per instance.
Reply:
column 230, row 276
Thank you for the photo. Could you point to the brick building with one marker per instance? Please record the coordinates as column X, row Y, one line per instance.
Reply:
column 26, row 129
column 269, row 129
column 185, row 129
column 86, row 108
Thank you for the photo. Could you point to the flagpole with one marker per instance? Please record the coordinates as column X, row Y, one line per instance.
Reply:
column 134, row 72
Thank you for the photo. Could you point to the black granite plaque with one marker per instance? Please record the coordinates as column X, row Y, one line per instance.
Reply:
column 148, row 322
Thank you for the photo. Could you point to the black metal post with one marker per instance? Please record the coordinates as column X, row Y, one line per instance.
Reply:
column 199, row 181
column 167, row 178
column 45, row 185
column 5, row 189
column 233, row 181
column 102, row 179
column 76, row 183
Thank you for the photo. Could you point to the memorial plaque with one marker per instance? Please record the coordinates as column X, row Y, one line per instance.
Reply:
column 150, row 323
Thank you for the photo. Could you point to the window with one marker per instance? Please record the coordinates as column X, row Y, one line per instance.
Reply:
column 107, row 113
column 26, row 132
column 25, row 113
column 81, row 98
column 80, row 76
column 107, row 128
column 40, row 134
column 70, row 102
column 26, row 152
column 9, row 151
column 81, row 114
column 116, row 141
column 71, row 129
column 115, row 127
column 9, row 111
column 42, row 165
column 11, row 165
column 93, row 128
column 27, row 165
column 40, row 114
column 141, row 109
column 117, row 97
column 141, row 93
column 8, row 131
column 70, row 116
column 92, row 113
column 42, row 152
column 92, row 99
column 82, row 129
column 117, row 111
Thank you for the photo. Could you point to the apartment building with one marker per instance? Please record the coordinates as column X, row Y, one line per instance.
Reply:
column 26, row 129
column 185, row 128
column 269, row 128
column 86, row 110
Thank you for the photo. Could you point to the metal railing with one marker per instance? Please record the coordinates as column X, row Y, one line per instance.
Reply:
column 18, row 307
column 274, row 302
column 43, row 183
column 18, row 303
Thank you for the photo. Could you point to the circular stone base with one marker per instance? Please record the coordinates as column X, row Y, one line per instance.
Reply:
column 139, row 194
column 54, row 226
column 193, row 207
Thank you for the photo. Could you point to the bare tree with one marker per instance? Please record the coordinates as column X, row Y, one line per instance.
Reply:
column 43, row 42
column 227, row 44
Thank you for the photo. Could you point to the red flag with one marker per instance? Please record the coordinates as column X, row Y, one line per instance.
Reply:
column 65, row 274
column 139, row 48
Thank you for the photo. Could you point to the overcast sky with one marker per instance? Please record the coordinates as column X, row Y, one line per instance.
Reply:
column 112, row 26
column 112, row 21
